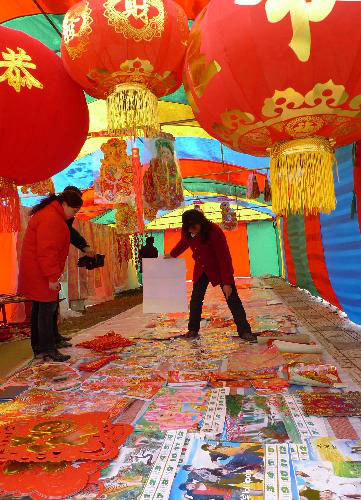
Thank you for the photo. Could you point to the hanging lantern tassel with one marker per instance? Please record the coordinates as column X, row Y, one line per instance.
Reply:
column 9, row 206
column 133, row 111
column 302, row 176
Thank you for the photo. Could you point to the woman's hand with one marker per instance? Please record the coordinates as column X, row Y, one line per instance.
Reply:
column 89, row 252
column 227, row 290
column 54, row 285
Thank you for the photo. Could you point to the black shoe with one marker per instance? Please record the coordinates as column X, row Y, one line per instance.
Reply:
column 56, row 356
column 63, row 344
column 61, row 337
column 248, row 336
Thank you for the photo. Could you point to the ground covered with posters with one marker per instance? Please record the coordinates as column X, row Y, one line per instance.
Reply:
column 140, row 412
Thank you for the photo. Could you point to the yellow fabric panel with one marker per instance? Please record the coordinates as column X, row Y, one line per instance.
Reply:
column 186, row 130
column 212, row 211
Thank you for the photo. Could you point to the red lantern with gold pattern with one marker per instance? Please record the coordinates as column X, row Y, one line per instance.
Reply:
column 44, row 118
column 130, row 52
column 282, row 79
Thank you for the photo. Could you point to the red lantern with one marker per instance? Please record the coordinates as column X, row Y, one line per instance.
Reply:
column 129, row 52
column 283, row 80
column 44, row 117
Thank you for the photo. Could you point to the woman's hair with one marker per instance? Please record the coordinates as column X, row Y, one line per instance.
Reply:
column 73, row 188
column 70, row 197
column 192, row 218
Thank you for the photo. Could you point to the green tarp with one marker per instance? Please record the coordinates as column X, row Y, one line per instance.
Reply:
column 262, row 247
column 296, row 236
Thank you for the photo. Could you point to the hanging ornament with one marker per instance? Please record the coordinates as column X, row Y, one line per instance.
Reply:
column 129, row 52
column 267, row 191
column 229, row 217
column 308, row 105
column 126, row 218
column 115, row 182
column 253, row 191
column 41, row 188
column 124, row 248
column 162, row 182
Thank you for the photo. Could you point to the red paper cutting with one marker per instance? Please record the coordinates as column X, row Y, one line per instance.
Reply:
column 64, row 438
column 106, row 342
column 49, row 480
column 93, row 366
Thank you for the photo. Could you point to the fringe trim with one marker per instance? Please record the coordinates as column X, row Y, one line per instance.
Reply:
column 302, row 177
column 9, row 206
column 133, row 111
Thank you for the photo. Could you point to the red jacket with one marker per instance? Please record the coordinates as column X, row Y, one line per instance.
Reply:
column 44, row 252
column 211, row 257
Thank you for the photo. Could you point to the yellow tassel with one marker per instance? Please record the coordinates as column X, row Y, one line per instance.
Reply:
column 302, row 176
column 133, row 111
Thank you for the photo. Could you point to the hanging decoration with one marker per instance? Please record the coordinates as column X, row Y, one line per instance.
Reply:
column 129, row 53
column 162, row 181
column 41, row 188
column 115, row 182
column 124, row 249
column 253, row 191
column 126, row 219
column 35, row 91
column 308, row 105
column 229, row 217
column 267, row 191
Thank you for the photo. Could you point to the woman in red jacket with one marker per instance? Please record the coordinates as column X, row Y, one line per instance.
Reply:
column 213, row 264
column 43, row 256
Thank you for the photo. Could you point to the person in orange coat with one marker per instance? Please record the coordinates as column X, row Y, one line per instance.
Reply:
column 43, row 256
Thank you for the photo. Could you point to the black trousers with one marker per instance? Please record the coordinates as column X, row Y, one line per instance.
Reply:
column 234, row 303
column 44, row 326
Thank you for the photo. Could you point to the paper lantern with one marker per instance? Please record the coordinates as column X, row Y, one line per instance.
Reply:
column 281, row 80
column 44, row 118
column 130, row 52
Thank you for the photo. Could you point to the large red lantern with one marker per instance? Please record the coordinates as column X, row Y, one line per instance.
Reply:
column 44, row 118
column 129, row 52
column 283, row 79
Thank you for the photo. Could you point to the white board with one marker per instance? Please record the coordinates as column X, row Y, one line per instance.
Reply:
column 164, row 286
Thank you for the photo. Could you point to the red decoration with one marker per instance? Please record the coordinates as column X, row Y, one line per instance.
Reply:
column 280, row 81
column 67, row 438
column 44, row 117
column 127, row 52
column 192, row 7
column 273, row 76
column 106, row 342
column 49, row 480
column 94, row 366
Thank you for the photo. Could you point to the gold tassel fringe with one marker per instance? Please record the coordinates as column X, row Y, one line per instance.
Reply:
column 302, row 176
column 9, row 206
column 41, row 188
column 133, row 111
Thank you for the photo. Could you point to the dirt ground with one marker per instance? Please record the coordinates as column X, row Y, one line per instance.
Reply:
column 101, row 312
column 13, row 355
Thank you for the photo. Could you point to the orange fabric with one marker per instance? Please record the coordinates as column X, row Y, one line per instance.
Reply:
column 238, row 246
column 8, row 267
column 11, row 10
column 200, row 168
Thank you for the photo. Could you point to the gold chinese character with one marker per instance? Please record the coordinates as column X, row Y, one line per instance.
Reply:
column 17, row 74
column 302, row 12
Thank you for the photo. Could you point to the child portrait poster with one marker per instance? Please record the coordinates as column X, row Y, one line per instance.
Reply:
column 220, row 471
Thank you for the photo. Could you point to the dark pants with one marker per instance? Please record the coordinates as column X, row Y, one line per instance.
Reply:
column 44, row 317
column 234, row 303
